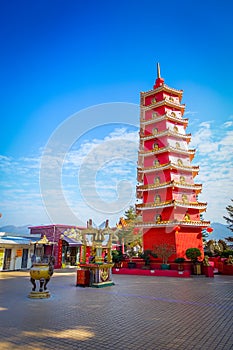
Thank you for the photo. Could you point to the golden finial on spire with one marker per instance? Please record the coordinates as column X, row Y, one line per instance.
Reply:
column 158, row 71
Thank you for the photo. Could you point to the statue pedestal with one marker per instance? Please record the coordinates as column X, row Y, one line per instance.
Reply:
column 100, row 275
column 39, row 295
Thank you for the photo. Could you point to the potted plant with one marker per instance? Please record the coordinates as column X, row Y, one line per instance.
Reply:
column 146, row 256
column 180, row 262
column 193, row 254
column 131, row 263
column 164, row 251
column 117, row 258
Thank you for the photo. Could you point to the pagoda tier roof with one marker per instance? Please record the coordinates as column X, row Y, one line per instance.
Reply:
column 190, row 152
column 170, row 165
column 172, row 203
column 196, row 187
column 164, row 102
column 164, row 117
column 164, row 87
column 166, row 132
column 150, row 224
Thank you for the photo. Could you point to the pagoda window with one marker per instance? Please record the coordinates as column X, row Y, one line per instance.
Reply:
column 177, row 145
column 179, row 162
column 187, row 217
column 184, row 198
column 173, row 114
column 155, row 146
column 182, row 179
column 154, row 114
column 153, row 100
column 156, row 162
column 157, row 199
column 175, row 129
column 155, row 131
column 158, row 218
column 171, row 98
column 157, row 180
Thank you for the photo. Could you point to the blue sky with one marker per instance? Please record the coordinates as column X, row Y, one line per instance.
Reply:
column 60, row 57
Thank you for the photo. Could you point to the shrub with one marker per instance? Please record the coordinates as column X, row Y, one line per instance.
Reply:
column 146, row 255
column 117, row 256
column 179, row 260
column 226, row 253
column 193, row 254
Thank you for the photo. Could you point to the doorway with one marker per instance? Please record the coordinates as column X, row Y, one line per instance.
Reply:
column 24, row 259
column 7, row 259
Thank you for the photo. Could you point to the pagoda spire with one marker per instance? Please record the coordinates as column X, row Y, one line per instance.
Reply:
column 158, row 70
column 159, row 81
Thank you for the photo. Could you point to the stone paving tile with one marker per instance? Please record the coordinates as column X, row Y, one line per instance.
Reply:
column 139, row 312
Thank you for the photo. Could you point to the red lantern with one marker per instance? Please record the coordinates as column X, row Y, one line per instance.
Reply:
column 209, row 229
column 177, row 228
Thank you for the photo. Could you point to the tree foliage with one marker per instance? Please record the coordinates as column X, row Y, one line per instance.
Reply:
column 127, row 233
column 130, row 214
column 193, row 254
column 229, row 218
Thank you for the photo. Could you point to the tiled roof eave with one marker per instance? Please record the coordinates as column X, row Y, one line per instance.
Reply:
column 190, row 223
column 164, row 87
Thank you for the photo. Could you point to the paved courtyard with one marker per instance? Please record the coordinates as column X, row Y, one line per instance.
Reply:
column 139, row 312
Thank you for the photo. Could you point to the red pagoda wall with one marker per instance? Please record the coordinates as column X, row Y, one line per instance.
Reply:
column 181, row 241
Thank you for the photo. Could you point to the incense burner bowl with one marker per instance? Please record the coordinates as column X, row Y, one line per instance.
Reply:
column 41, row 272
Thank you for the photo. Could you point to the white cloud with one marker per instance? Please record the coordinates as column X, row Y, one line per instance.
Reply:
column 99, row 165
column 215, row 158
column 228, row 124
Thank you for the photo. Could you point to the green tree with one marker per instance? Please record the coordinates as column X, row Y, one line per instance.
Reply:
column 130, row 214
column 229, row 219
column 127, row 234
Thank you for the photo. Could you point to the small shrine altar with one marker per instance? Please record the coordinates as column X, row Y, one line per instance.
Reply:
column 96, row 271
column 95, row 275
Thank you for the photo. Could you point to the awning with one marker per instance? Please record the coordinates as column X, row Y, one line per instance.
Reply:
column 72, row 242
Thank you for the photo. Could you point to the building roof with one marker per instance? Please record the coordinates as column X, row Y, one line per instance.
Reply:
column 55, row 225
column 72, row 242
column 13, row 240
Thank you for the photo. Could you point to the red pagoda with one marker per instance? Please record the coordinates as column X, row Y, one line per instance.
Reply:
column 170, row 210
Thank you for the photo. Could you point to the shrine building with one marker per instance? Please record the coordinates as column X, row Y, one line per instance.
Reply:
column 168, row 196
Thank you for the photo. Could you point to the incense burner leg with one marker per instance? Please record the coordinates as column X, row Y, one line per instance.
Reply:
column 42, row 281
column 33, row 283
column 46, row 282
